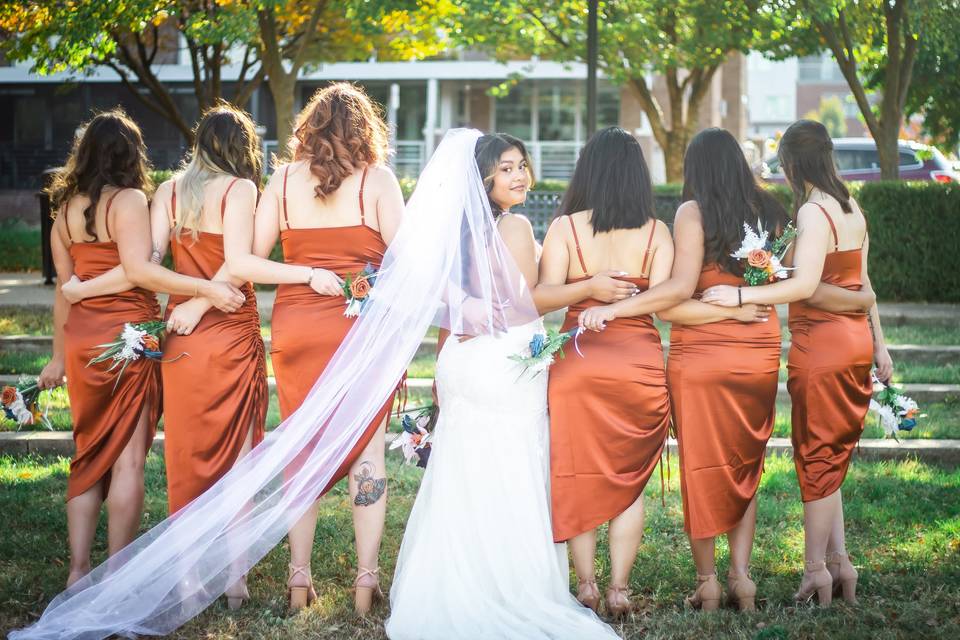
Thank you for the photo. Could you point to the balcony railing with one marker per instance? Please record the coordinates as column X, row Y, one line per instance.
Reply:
column 551, row 160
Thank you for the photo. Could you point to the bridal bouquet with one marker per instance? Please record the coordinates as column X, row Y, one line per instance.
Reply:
column 137, row 340
column 896, row 412
column 414, row 440
column 764, row 255
column 543, row 348
column 358, row 289
column 21, row 403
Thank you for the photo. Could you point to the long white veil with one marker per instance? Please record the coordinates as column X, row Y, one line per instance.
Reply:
column 447, row 266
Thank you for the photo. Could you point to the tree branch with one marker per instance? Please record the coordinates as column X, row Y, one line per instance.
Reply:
column 650, row 107
column 308, row 36
column 556, row 36
column 848, row 66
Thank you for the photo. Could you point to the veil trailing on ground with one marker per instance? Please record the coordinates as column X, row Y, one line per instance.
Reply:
column 448, row 267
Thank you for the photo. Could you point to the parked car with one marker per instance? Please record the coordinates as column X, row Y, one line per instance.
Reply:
column 857, row 159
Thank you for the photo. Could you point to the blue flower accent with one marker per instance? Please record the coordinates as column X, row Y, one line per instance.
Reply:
column 536, row 345
column 907, row 424
column 408, row 424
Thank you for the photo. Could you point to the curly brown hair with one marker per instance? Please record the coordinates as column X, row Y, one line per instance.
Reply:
column 339, row 131
column 107, row 152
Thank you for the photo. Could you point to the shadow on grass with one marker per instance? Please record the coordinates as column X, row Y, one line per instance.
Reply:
column 903, row 524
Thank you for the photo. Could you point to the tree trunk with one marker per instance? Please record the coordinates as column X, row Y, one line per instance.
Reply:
column 282, row 89
column 673, row 157
column 887, row 149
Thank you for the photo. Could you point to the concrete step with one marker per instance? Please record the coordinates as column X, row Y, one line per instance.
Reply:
column 923, row 393
column 908, row 353
column 60, row 443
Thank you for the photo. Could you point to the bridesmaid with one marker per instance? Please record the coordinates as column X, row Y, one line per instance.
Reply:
column 335, row 209
column 215, row 400
column 723, row 364
column 609, row 411
column 210, row 421
column 832, row 351
column 102, row 215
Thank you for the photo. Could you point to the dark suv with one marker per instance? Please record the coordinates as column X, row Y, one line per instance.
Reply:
column 857, row 159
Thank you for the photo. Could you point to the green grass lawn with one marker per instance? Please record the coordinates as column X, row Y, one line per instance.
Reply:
column 19, row 246
column 903, row 524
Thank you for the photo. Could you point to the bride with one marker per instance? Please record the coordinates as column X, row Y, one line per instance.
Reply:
column 478, row 558
column 480, row 530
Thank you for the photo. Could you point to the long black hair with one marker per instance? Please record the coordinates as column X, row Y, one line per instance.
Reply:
column 487, row 153
column 611, row 179
column 716, row 175
column 806, row 155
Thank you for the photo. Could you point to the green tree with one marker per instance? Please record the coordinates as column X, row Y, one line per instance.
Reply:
column 134, row 37
column 295, row 35
column 272, row 40
column 830, row 114
column 875, row 43
column 935, row 90
column 682, row 42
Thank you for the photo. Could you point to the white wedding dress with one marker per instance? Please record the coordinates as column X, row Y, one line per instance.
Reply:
column 478, row 559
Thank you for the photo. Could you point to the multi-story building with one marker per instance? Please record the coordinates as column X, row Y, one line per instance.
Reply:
column 546, row 108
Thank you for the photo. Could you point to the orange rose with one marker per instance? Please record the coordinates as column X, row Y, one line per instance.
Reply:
column 9, row 395
column 150, row 343
column 758, row 258
column 360, row 288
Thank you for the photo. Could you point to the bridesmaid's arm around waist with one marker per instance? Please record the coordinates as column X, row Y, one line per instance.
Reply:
column 836, row 299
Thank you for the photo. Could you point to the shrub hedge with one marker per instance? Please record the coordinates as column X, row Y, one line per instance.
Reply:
column 914, row 239
column 914, row 233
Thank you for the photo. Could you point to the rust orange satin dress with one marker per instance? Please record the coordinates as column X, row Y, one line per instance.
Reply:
column 609, row 417
column 218, row 391
column 307, row 328
column 829, row 380
column 103, row 419
column 723, row 391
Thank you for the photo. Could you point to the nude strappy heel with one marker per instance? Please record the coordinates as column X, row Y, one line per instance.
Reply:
column 844, row 576
column 816, row 581
column 741, row 591
column 365, row 598
column 618, row 602
column 590, row 599
column 300, row 596
column 707, row 595
column 237, row 594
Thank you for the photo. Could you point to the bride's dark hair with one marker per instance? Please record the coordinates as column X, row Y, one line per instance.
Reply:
column 488, row 151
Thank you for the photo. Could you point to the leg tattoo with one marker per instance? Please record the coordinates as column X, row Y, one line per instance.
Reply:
column 369, row 489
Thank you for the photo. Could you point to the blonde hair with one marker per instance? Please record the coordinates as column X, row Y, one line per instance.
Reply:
column 226, row 145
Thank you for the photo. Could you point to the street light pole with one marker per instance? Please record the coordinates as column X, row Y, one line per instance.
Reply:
column 592, row 67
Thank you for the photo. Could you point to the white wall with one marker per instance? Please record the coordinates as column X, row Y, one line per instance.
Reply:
column 772, row 94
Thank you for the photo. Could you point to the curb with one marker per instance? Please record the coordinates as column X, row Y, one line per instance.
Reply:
column 921, row 392
column 45, row 443
column 913, row 353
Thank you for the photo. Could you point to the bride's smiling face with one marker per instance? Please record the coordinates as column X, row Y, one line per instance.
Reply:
column 511, row 180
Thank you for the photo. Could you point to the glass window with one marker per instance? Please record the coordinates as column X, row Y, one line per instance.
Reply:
column 557, row 110
column 856, row 159
column 412, row 112
column 908, row 159
column 30, row 121
column 608, row 106
column 513, row 112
